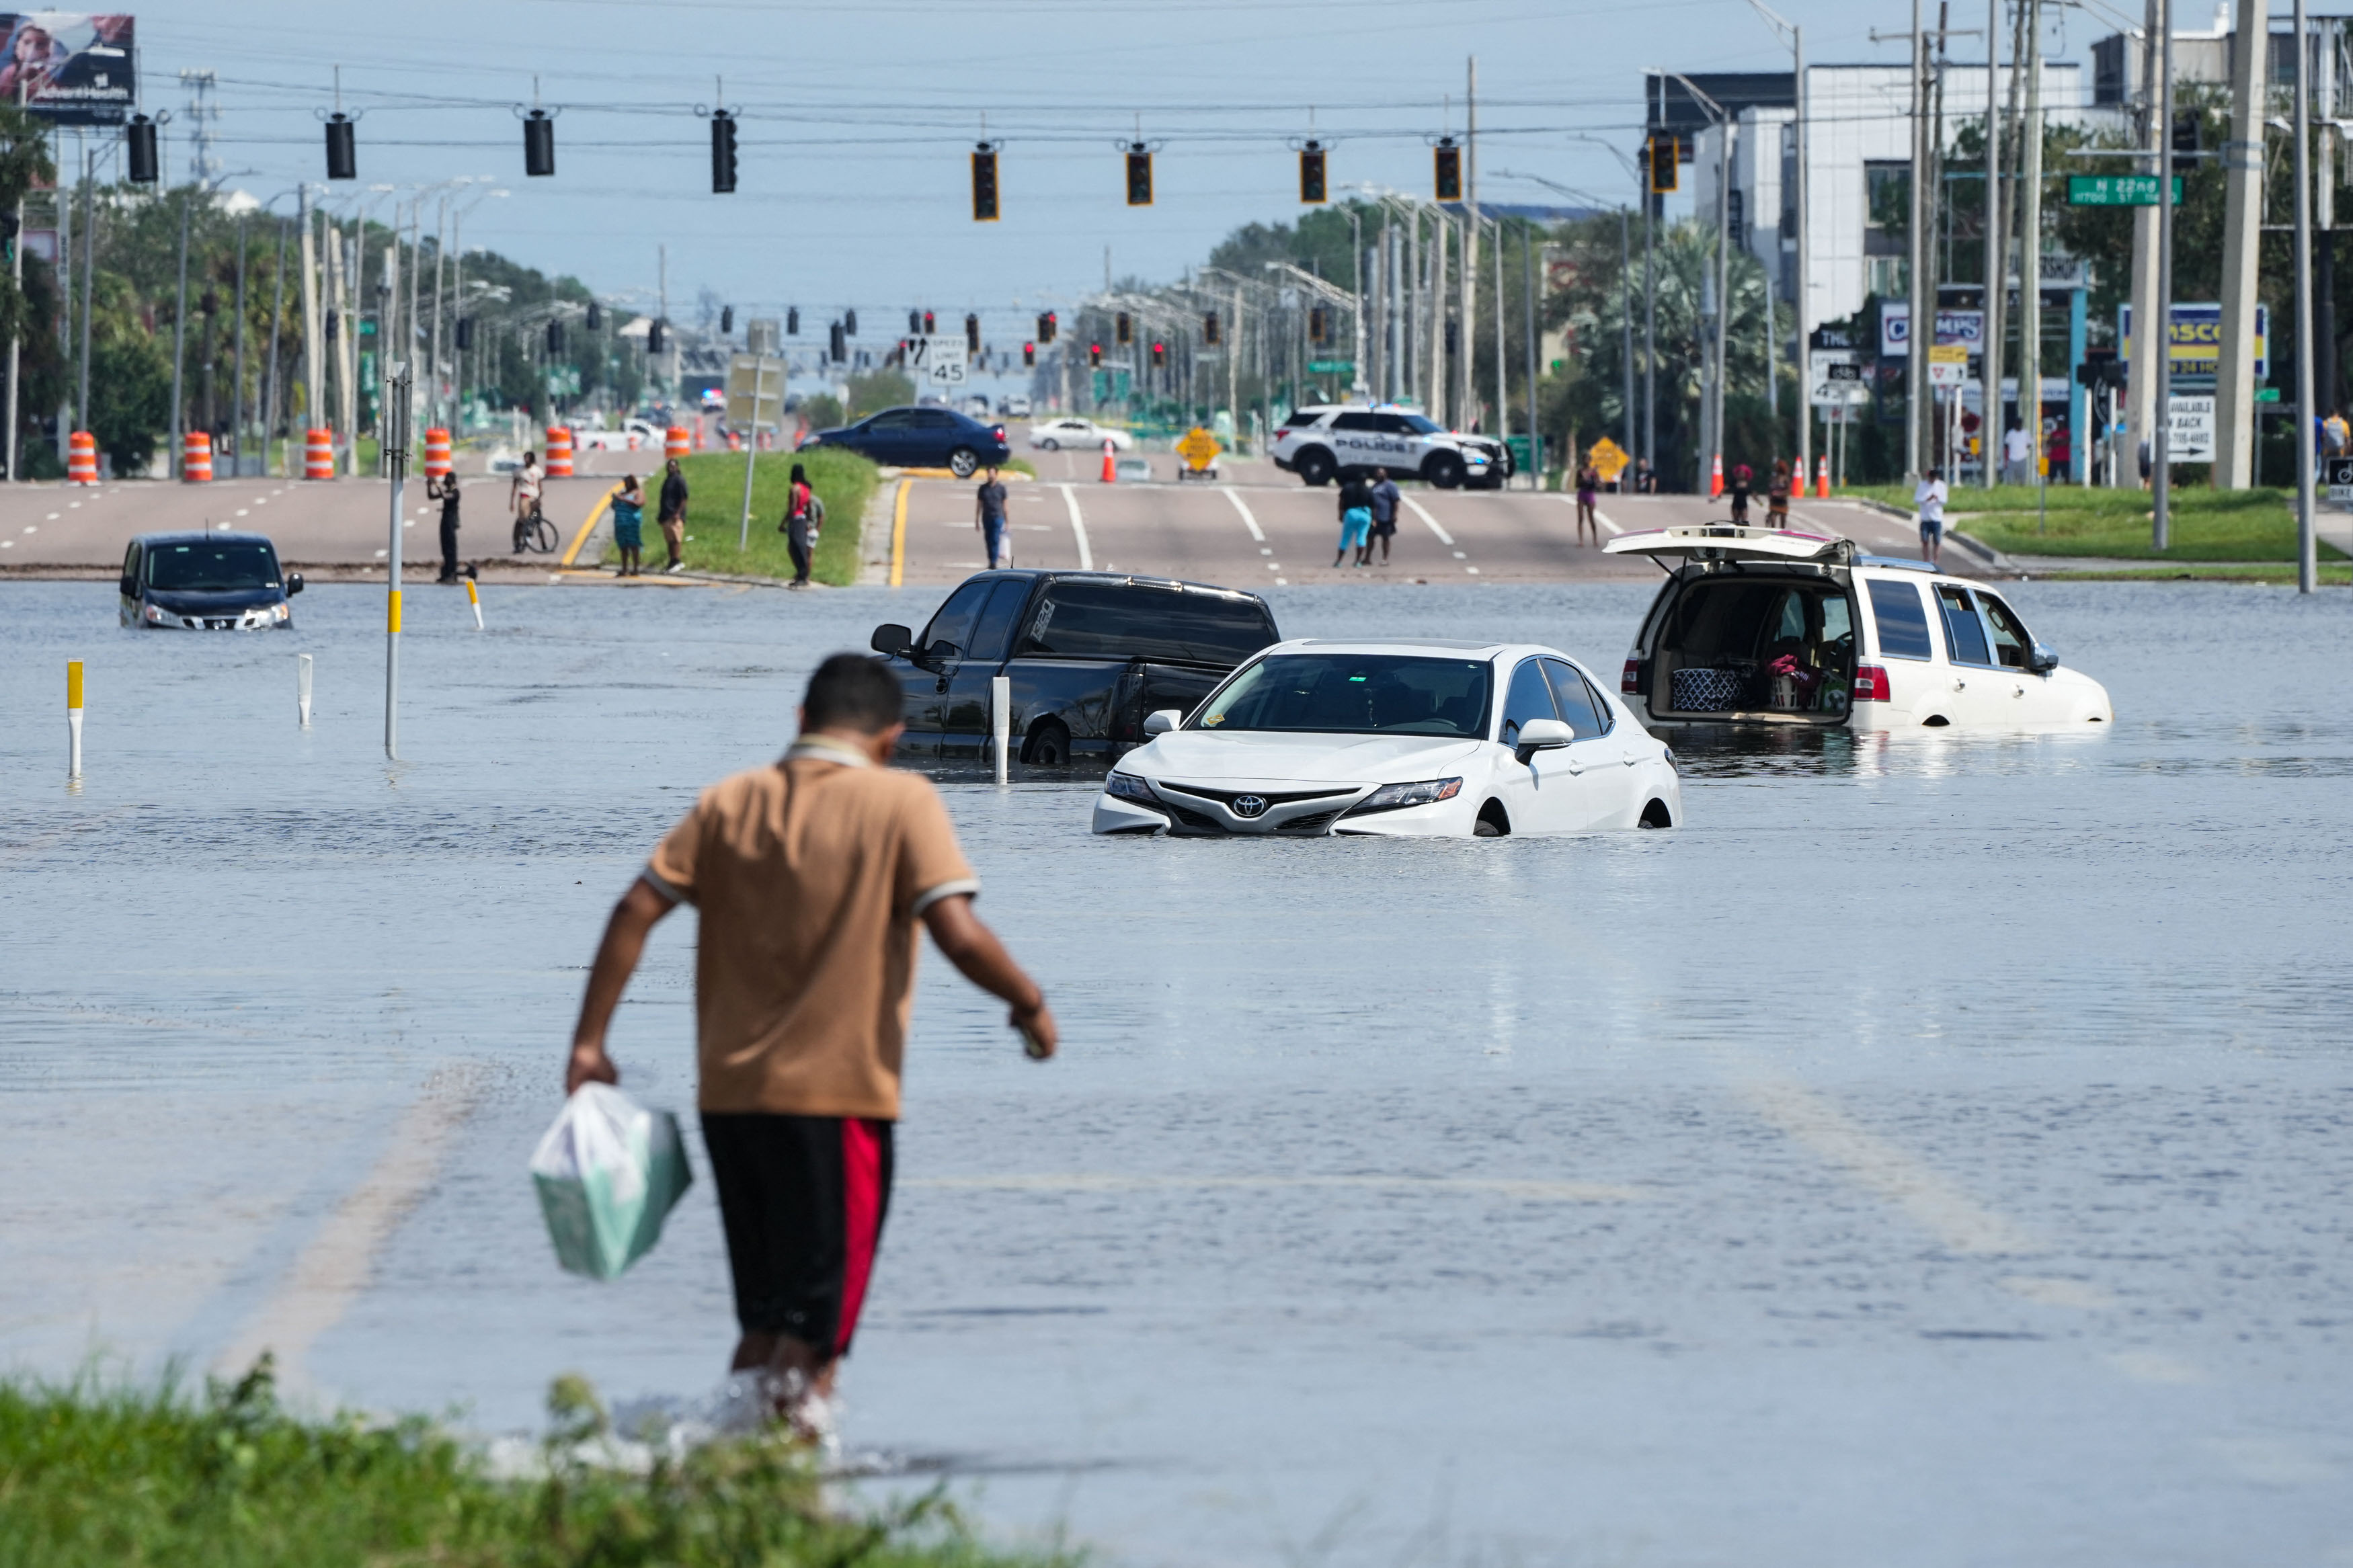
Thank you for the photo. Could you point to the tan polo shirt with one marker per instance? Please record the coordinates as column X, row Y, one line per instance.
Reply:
column 809, row 874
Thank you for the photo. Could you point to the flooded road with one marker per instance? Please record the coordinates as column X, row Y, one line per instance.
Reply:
column 1937, row 1152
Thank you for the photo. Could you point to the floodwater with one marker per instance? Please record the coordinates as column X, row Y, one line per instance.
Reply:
column 1934, row 1152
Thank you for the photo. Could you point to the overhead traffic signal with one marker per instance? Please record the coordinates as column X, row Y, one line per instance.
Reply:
column 1028, row 356
column 1094, row 356
column 1446, row 169
column 1666, row 164
column 2185, row 141
column 343, row 147
column 146, row 167
column 1315, row 324
column 596, row 316
column 657, row 338
column 972, row 334
column 1159, row 355
column 793, row 322
column 1123, row 330
column 1210, row 329
column 1311, row 174
column 929, row 328
column 538, row 144
column 722, row 152
column 837, row 344
column 465, row 333
column 850, row 321
column 983, row 183
column 1046, row 326
column 555, row 337
column 1139, row 174
column 726, row 321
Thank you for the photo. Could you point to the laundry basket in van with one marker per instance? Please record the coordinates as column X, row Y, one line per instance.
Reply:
column 1696, row 690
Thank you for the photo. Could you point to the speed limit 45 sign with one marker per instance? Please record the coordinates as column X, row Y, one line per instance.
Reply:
column 939, row 361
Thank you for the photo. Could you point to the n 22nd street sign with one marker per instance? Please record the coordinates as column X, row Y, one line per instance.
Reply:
column 937, row 360
column 2116, row 190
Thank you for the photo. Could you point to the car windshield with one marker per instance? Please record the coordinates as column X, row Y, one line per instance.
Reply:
column 1356, row 694
column 208, row 568
column 1422, row 425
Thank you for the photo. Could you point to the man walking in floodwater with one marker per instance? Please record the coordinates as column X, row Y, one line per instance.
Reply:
column 809, row 874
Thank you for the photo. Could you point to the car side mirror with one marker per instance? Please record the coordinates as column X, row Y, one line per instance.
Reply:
column 2041, row 660
column 940, row 651
column 1543, row 735
column 294, row 583
column 1162, row 722
column 130, row 586
column 892, row 640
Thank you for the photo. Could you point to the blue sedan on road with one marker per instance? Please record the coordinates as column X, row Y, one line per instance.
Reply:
column 921, row 438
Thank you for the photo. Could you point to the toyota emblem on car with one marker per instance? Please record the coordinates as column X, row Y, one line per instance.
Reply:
column 1248, row 806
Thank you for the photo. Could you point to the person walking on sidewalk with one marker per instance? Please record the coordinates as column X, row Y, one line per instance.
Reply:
column 445, row 490
column 1743, row 476
column 801, row 515
column 1355, row 521
column 988, row 516
column 672, row 516
column 1777, row 495
column 1588, row 502
column 1929, row 497
column 630, row 526
column 523, row 497
column 810, row 875
column 1386, row 500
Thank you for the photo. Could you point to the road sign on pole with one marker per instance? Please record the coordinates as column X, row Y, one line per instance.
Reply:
column 937, row 361
column 1948, row 364
column 1835, row 375
column 755, row 402
column 2116, row 190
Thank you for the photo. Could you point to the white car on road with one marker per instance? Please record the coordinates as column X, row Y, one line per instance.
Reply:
column 1775, row 626
column 636, row 436
column 1078, row 436
column 1327, row 441
column 1396, row 737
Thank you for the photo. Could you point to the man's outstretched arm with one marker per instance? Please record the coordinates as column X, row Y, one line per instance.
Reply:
column 640, row 909
column 974, row 948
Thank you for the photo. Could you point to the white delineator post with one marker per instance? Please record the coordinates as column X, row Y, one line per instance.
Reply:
column 303, row 689
column 475, row 599
column 1000, row 722
column 73, row 719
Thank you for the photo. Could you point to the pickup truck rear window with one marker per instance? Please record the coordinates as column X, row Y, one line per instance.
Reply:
column 1108, row 620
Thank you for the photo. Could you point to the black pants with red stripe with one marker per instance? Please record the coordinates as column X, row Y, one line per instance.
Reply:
column 802, row 1199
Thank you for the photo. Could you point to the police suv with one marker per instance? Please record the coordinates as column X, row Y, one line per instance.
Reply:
column 1324, row 441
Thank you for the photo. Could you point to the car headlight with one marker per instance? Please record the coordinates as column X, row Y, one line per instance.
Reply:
column 1428, row 792
column 1127, row 786
column 156, row 615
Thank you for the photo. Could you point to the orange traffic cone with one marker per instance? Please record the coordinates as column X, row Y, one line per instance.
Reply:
column 1822, row 476
column 1111, row 465
column 1716, row 479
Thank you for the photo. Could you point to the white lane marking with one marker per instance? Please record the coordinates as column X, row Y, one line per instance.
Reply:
column 51, row 517
column 2052, row 1291
column 1473, row 570
column 1459, row 556
column 71, row 505
column 7, row 544
column 1262, row 549
column 1599, row 515
column 1443, row 537
column 382, row 553
column 1934, row 1204
column 1079, row 528
column 242, row 512
column 1283, row 581
column 34, row 527
column 1248, row 521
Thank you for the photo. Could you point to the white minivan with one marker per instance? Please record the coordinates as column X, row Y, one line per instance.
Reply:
column 1758, row 626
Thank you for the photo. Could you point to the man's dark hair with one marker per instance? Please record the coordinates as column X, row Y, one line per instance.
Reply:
column 851, row 691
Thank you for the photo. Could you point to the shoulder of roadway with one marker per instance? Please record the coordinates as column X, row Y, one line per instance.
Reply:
column 1991, row 559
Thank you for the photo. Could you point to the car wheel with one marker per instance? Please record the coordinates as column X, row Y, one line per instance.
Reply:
column 1444, row 471
column 1315, row 467
column 1050, row 445
column 1656, row 814
column 963, row 461
column 1048, row 745
column 1494, row 822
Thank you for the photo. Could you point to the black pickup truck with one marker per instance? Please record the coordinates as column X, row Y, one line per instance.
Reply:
column 1089, row 654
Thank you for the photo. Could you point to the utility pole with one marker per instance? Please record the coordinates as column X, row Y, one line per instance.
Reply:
column 1650, row 205
column 314, row 358
column 2243, row 217
column 89, row 267
column 1996, row 282
column 1805, row 313
column 2161, row 351
column 2308, row 566
column 1503, row 400
column 1921, row 323
column 271, row 384
column 179, row 348
column 17, row 337
column 1723, row 280
column 392, row 432
column 2149, row 338
column 2030, row 244
column 236, row 388
column 1466, row 400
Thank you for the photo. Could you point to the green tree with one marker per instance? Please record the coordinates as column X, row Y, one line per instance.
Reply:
column 878, row 389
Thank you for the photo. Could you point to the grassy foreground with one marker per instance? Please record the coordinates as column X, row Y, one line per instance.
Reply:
column 714, row 511
column 94, row 1476
column 2207, row 524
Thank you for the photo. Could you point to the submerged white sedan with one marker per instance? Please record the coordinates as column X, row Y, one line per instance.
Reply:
column 1401, row 737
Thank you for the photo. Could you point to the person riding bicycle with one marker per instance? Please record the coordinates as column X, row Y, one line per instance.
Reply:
column 522, row 494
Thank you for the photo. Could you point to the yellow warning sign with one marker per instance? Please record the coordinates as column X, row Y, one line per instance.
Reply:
column 1610, row 457
column 1198, row 449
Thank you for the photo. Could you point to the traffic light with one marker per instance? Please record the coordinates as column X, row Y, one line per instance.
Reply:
column 555, row 337
column 1446, row 169
column 335, row 327
column 793, row 322
column 596, row 316
column 465, row 333
column 1123, row 330
column 2185, row 141
column 931, row 327
column 538, row 144
column 657, row 339
column 837, row 343
column 1311, row 174
column 343, row 147
column 1028, row 356
column 1666, row 164
column 1315, row 324
column 984, row 185
column 1139, row 174
column 972, row 334
column 849, row 323
column 727, row 319
column 722, row 152
column 144, row 164
column 1209, row 330
column 1046, row 326
column 1094, row 356
column 1159, row 355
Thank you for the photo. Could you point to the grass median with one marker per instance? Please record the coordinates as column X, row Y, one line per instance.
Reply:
column 714, row 511
column 92, row 1474
column 2072, row 520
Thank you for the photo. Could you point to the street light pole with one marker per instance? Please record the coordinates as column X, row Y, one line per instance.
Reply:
column 1804, row 313
column 2161, row 480
column 2308, row 566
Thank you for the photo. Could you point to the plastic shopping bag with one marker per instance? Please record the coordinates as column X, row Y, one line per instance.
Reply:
column 607, row 1173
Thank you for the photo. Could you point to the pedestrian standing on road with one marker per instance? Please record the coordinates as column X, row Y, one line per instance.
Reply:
column 1777, row 495
column 1386, row 500
column 800, row 526
column 1355, row 521
column 672, row 516
column 810, row 875
column 523, row 496
column 1589, row 500
column 1743, row 476
column 1646, row 481
column 630, row 526
column 446, row 494
column 988, row 516
column 2017, row 455
column 1929, row 497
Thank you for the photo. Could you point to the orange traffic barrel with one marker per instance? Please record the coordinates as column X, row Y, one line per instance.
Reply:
column 317, row 454
column 675, row 441
column 81, row 458
column 559, row 452
column 734, row 442
column 197, row 458
column 436, row 454
column 1823, row 476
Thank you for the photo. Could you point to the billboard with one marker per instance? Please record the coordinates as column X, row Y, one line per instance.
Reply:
column 70, row 69
column 2197, row 339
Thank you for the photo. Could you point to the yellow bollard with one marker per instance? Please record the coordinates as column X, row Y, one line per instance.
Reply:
column 73, row 719
column 474, row 599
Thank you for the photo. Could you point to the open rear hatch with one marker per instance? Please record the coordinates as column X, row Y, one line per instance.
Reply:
column 1732, row 542
column 1757, row 627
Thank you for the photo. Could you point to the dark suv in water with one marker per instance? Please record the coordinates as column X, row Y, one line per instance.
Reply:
column 206, row 582
column 921, row 438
